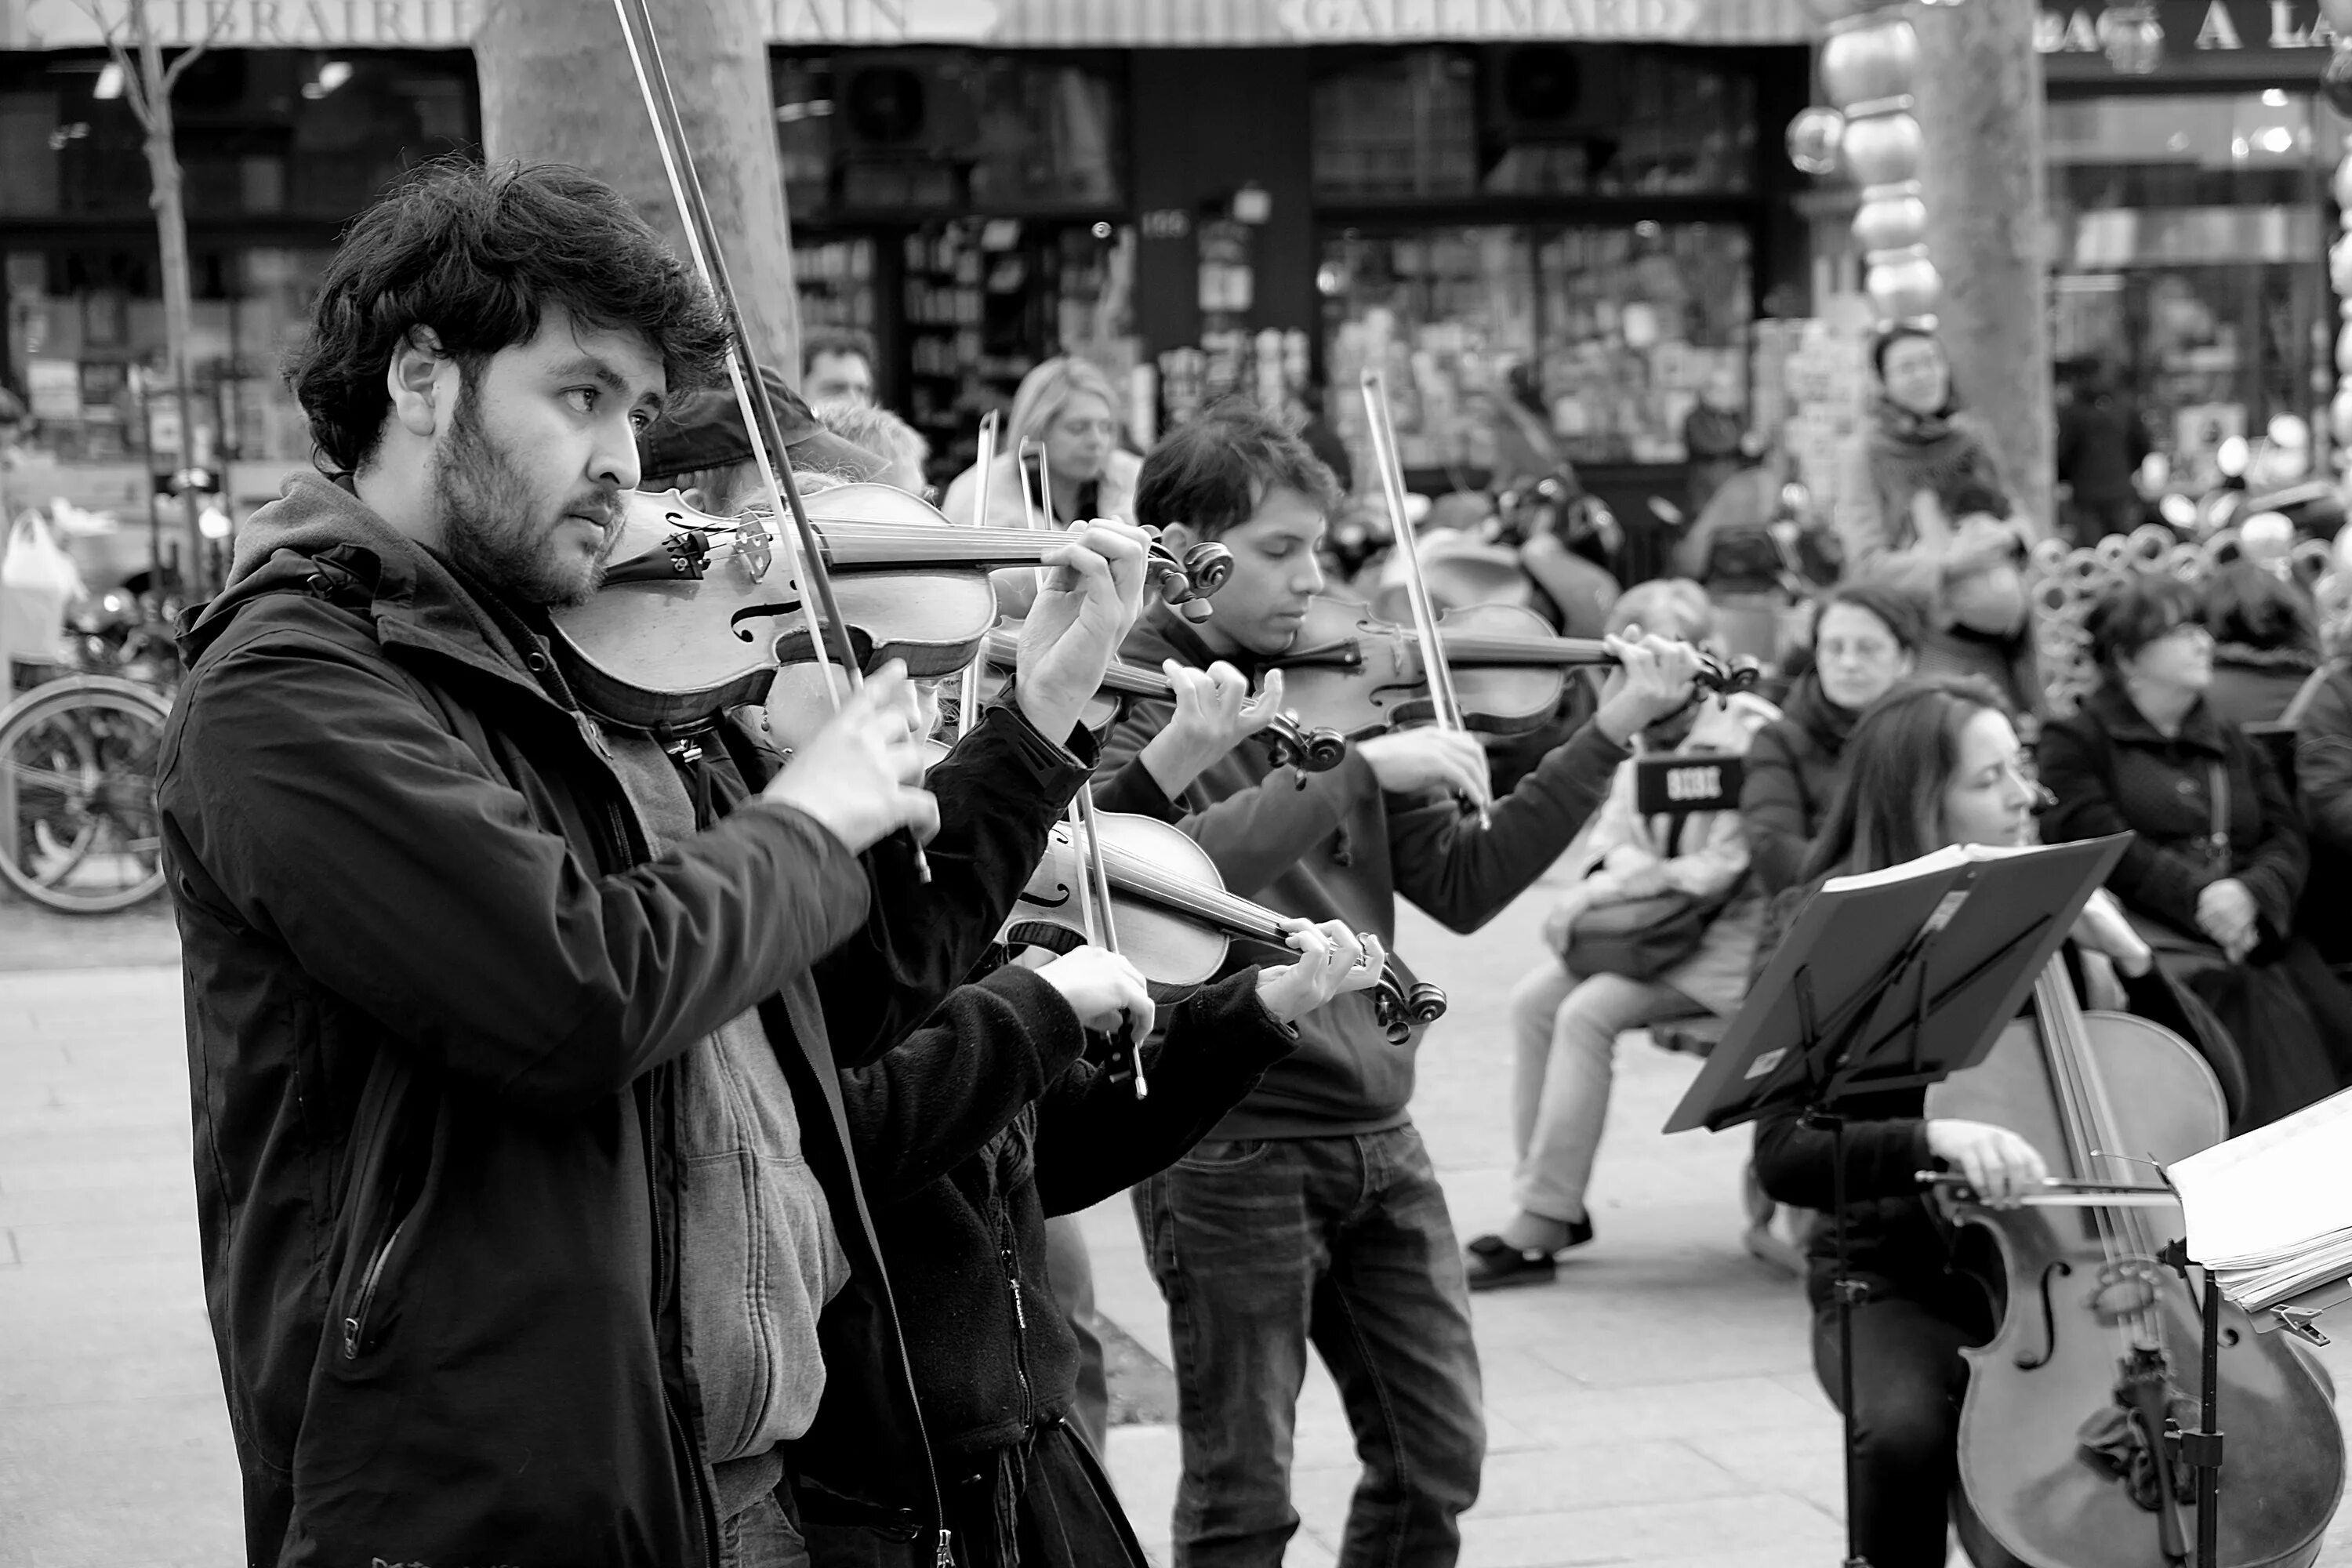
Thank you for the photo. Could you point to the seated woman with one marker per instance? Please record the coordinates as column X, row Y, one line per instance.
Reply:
column 1566, row 1025
column 1866, row 638
column 1934, row 762
column 2265, row 643
column 2217, row 862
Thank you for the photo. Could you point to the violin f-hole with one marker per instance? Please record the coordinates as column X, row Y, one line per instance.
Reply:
column 2026, row 1359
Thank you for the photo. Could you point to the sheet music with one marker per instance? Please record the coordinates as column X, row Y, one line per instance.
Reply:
column 2276, row 1203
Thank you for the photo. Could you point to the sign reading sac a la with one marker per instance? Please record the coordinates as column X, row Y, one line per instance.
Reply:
column 2223, row 24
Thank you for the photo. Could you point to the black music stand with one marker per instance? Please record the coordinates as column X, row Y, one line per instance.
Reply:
column 1893, row 981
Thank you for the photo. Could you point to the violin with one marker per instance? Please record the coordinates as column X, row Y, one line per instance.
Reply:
column 1360, row 676
column 2068, row 1456
column 1286, row 742
column 689, row 622
column 1172, row 918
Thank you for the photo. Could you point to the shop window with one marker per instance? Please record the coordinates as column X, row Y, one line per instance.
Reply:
column 1534, row 120
column 930, row 131
column 2189, row 235
column 1604, row 334
column 987, row 299
column 259, row 132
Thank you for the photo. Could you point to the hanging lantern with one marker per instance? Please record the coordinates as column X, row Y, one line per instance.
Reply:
column 2340, row 17
column 1882, row 150
column 1812, row 140
column 1892, row 218
column 2344, row 349
column 1874, row 59
column 2132, row 39
column 2339, row 417
column 1903, row 284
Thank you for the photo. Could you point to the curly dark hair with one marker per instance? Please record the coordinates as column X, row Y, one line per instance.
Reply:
column 475, row 254
column 1213, row 471
column 2137, row 612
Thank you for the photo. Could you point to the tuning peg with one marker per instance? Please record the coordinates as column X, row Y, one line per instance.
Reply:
column 1208, row 563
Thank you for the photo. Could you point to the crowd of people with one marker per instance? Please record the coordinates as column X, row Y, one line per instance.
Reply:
column 643, row 1146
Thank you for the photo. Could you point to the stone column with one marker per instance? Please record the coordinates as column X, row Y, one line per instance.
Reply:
column 1978, row 89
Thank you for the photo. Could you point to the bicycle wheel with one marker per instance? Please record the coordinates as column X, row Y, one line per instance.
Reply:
column 78, row 829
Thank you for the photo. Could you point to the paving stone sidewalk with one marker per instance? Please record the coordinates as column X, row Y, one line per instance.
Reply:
column 1655, row 1406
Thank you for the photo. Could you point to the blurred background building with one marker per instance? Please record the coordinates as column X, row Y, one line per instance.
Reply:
column 1580, row 206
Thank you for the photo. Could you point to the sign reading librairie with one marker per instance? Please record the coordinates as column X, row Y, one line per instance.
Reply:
column 1005, row 24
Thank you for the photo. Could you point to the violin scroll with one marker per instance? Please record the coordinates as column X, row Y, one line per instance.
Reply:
column 1725, row 678
column 1290, row 744
column 1397, row 1009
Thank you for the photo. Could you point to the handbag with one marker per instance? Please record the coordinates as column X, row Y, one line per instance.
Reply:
column 1639, row 938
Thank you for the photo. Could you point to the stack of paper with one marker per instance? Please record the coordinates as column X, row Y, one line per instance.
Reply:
column 2271, row 1213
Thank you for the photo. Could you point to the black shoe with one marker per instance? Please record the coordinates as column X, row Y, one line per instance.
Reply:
column 1493, row 1264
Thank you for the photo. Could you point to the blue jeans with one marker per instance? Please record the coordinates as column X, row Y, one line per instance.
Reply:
column 1263, row 1247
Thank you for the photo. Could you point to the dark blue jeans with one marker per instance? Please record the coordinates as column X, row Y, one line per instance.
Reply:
column 1263, row 1246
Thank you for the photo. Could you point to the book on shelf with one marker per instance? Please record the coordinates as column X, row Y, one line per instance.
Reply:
column 2270, row 1213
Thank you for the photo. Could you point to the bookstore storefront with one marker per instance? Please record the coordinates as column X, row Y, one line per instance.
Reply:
column 1577, row 203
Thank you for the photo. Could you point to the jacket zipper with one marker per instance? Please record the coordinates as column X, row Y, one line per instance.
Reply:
column 356, row 1325
column 1021, row 1337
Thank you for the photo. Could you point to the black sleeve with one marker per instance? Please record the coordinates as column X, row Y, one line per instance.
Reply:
column 999, row 792
column 2322, row 761
column 1462, row 874
column 2275, row 870
column 926, row 1106
column 1773, row 811
column 1095, row 1138
column 1883, row 1159
column 1132, row 789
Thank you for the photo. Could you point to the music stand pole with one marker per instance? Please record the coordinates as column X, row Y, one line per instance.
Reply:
column 1848, row 1290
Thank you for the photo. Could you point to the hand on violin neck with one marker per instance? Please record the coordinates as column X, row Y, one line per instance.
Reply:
column 860, row 775
column 1657, row 679
column 1090, row 599
column 1332, row 960
column 1215, row 713
column 1413, row 762
column 1103, row 989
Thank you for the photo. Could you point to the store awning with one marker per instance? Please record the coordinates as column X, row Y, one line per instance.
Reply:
column 1003, row 24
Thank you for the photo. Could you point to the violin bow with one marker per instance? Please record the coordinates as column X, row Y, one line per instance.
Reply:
column 1094, row 895
column 968, row 696
column 1446, row 707
column 805, row 553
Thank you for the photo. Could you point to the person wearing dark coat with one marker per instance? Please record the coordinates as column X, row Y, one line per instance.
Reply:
column 1866, row 638
column 2265, row 643
column 2321, row 718
column 997, row 1371
column 455, row 1021
column 1934, row 762
column 2217, row 861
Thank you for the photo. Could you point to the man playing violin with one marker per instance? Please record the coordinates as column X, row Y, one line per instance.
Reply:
column 462, row 1004
column 1310, row 1213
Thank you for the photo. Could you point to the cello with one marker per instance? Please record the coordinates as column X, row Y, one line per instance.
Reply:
column 2070, row 1442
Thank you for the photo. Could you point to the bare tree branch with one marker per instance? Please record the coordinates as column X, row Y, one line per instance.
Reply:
column 118, row 50
column 219, row 20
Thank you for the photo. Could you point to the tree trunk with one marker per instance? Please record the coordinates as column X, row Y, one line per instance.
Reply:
column 179, row 310
column 1979, row 92
column 557, row 85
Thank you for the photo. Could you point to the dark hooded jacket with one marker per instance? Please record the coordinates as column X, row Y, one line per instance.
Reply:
column 1793, row 771
column 1334, row 845
column 435, row 984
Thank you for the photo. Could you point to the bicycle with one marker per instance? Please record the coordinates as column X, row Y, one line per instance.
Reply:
column 80, row 831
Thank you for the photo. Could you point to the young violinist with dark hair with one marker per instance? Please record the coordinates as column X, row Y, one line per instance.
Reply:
column 1311, row 1215
column 1934, row 763
column 522, row 1166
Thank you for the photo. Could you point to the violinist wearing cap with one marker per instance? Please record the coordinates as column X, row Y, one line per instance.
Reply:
column 511, row 1051
column 1310, row 1213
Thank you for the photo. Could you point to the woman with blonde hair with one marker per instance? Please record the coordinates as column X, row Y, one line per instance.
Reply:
column 1067, row 406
